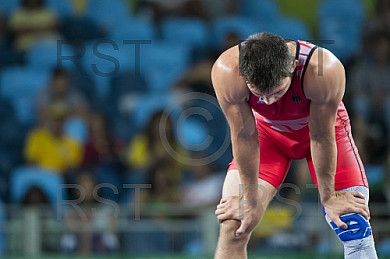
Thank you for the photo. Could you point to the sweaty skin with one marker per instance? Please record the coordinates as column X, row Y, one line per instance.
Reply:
column 324, row 86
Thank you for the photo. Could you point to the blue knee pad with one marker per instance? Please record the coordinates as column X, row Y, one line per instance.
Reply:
column 358, row 227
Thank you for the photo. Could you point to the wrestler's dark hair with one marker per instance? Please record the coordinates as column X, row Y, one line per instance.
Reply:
column 265, row 59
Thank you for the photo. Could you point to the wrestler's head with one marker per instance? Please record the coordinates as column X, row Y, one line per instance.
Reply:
column 267, row 64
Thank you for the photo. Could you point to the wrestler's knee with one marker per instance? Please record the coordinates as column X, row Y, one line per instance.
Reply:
column 357, row 239
column 228, row 230
column 358, row 227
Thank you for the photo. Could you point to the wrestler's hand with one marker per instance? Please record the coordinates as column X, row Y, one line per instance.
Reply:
column 342, row 203
column 237, row 209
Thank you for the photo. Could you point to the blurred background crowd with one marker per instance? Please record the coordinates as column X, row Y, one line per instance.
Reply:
column 95, row 94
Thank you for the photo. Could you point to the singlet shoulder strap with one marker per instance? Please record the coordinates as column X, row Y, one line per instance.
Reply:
column 297, row 49
column 306, row 64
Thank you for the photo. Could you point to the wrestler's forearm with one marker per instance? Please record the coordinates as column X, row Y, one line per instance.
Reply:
column 324, row 156
column 246, row 153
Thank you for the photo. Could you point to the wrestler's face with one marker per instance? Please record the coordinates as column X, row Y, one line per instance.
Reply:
column 274, row 94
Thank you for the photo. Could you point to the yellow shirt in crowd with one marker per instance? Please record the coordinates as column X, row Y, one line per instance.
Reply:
column 36, row 20
column 48, row 152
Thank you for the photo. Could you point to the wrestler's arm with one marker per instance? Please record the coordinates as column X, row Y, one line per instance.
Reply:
column 324, row 86
column 232, row 95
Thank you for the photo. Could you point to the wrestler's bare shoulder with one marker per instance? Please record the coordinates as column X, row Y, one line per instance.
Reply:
column 325, row 76
column 225, row 75
column 227, row 62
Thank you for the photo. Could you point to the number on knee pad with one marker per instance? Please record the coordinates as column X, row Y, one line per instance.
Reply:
column 358, row 227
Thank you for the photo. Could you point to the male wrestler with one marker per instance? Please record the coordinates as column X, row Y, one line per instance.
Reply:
column 282, row 100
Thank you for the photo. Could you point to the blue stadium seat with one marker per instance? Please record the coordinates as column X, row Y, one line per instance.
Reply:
column 6, row 110
column 16, row 81
column 185, row 30
column 127, row 83
column 21, row 85
column 63, row 8
column 341, row 21
column 123, row 85
column 290, row 28
column 8, row 56
column 217, row 128
column 77, row 129
column 108, row 175
column 46, row 55
column 375, row 174
column 122, row 128
column 105, row 59
column 243, row 27
column 262, row 10
column 351, row 11
column 160, row 81
column 164, row 56
column 81, row 29
column 8, row 7
column 193, row 134
column 111, row 62
column 11, row 143
column 133, row 29
column 146, row 106
column 347, row 38
column 384, row 247
column 6, row 164
column 108, row 13
column 10, row 139
column 23, row 178
column 85, row 85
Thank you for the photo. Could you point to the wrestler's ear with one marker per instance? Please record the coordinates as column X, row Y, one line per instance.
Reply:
column 295, row 63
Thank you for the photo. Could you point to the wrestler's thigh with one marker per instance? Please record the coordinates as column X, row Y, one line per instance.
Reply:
column 232, row 187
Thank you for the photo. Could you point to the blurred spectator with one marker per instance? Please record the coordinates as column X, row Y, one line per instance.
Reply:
column 370, row 78
column 381, row 18
column 165, row 186
column 90, row 226
column 197, row 78
column 80, row 7
column 147, row 147
column 31, row 23
column 101, row 155
column 187, row 8
column 204, row 189
column 219, row 8
column 35, row 196
column 371, row 139
column 231, row 39
column 48, row 147
column 359, row 128
column 60, row 89
column 100, row 150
